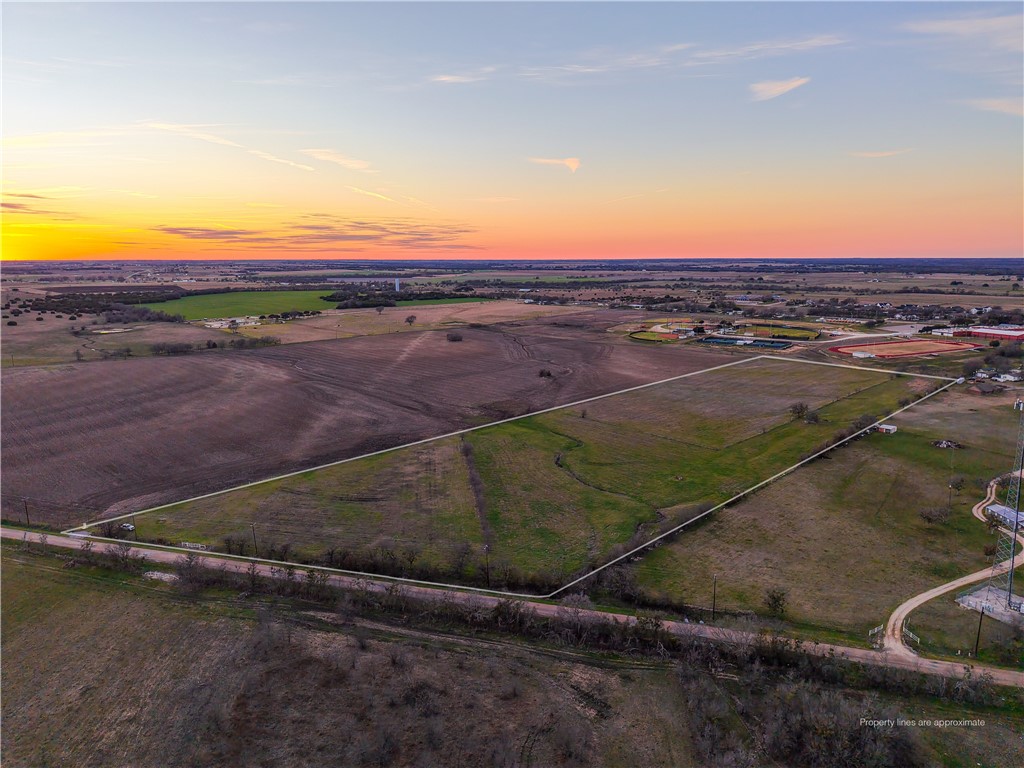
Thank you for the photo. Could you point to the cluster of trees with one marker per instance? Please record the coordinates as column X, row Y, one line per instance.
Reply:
column 803, row 411
column 171, row 348
column 124, row 313
column 365, row 297
column 117, row 307
column 1002, row 358
column 240, row 342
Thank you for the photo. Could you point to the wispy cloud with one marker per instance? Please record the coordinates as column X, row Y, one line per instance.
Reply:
column 772, row 89
column 1007, row 106
column 377, row 195
column 765, row 49
column 607, row 62
column 193, row 132
column 31, row 210
column 211, row 233
column 572, row 163
column 48, row 193
column 331, row 156
column 675, row 57
column 880, row 153
column 993, row 32
column 320, row 231
column 473, row 76
column 455, row 79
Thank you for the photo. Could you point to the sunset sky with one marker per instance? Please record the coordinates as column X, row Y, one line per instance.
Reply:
column 519, row 130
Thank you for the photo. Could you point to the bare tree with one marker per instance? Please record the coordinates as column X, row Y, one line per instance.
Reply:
column 799, row 410
column 410, row 320
column 379, row 310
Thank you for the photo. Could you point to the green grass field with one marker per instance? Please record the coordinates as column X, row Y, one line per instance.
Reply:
column 782, row 331
column 844, row 535
column 242, row 303
column 554, row 494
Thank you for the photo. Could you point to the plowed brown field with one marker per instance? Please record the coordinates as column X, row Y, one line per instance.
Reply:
column 80, row 441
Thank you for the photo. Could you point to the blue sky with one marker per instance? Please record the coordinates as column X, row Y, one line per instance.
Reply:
column 732, row 123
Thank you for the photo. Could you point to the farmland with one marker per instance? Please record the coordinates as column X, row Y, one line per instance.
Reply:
column 366, row 322
column 115, row 674
column 434, row 302
column 241, row 303
column 845, row 536
column 175, row 427
column 549, row 495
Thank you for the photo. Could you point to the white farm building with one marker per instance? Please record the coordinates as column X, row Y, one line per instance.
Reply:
column 1005, row 515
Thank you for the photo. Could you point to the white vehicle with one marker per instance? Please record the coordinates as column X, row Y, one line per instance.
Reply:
column 127, row 527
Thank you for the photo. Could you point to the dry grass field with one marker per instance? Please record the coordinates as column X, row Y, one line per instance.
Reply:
column 844, row 536
column 79, row 440
column 364, row 322
column 50, row 342
column 102, row 674
column 548, row 495
column 102, row 669
column 947, row 629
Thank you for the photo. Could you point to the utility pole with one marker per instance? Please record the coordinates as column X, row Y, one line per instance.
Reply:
column 487, row 559
column 949, row 503
column 714, row 596
column 978, row 638
column 135, row 528
column 256, row 549
column 25, row 502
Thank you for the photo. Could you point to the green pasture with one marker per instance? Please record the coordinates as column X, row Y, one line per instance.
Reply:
column 243, row 303
column 844, row 535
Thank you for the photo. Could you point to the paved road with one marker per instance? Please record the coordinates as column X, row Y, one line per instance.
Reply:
column 883, row 658
column 894, row 642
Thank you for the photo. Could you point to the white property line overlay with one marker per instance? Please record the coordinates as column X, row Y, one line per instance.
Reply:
column 482, row 590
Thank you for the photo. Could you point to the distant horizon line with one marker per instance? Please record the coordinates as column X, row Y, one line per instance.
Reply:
column 631, row 260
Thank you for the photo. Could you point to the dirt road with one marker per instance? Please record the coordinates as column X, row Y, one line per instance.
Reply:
column 894, row 643
column 883, row 658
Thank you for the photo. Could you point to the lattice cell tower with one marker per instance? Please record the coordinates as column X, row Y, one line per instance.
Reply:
column 1006, row 548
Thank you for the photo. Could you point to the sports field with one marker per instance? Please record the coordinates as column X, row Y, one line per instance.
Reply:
column 776, row 331
column 908, row 348
column 535, row 500
column 242, row 303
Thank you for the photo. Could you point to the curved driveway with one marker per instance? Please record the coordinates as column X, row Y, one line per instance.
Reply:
column 894, row 643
